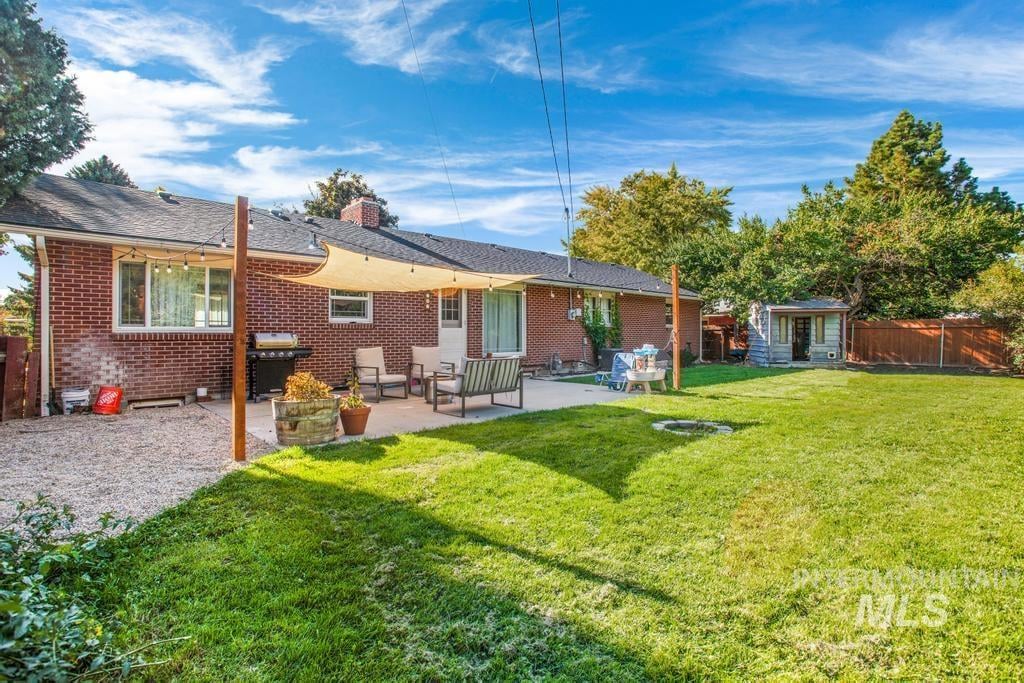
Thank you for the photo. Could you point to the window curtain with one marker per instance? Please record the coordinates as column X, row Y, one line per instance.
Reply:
column 178, row 298
column 503, row 322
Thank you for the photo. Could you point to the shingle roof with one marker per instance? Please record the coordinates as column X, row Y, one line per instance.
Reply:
column 90, row 208
column 817, row 304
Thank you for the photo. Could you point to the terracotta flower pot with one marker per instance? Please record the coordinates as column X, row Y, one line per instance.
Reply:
column 353, row 420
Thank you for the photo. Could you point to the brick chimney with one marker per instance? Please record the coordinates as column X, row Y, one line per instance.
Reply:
column 364, row 211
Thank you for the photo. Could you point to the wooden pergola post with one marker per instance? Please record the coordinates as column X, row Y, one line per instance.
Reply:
column 677, row 367
column 238, row 357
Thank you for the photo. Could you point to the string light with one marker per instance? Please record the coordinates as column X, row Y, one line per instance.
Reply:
column 202, row 254
column 250, row 219
column 167, row 269
column 223, row 239
column 185, row 266
column 156, row 267
column 552, row 293
column 490, row 287
column 412, row 268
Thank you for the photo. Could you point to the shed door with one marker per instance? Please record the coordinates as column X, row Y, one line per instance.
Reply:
column 801, row 338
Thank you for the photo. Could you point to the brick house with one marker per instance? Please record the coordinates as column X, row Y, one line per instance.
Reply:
column 120, row 302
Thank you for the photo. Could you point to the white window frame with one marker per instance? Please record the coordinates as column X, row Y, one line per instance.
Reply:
column 603, row 303
column 148, row 326
column 522, row 325
column 668, row 314
column 368, row 298
column 460, row 299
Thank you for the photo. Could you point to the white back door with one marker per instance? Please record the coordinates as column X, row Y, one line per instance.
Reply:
column 451, row 325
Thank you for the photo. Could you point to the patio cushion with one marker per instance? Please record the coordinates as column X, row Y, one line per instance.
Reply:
column 429, row 357
column 384, row 379
column 452, row 386
column 370, row 358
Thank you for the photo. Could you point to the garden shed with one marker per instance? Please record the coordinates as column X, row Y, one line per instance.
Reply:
column 798, row 332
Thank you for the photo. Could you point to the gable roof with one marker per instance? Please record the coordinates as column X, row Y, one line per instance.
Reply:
column 87, row 209
column 818, row 304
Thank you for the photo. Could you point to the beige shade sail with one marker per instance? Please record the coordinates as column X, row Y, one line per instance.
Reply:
column 353, row 271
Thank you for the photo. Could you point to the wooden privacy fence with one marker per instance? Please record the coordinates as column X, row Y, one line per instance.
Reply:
column 19, row 379
column 957, row 343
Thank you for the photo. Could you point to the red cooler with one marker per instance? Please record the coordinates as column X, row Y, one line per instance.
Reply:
column 108, row 401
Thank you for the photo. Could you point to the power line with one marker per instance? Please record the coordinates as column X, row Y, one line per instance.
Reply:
column 547, row 110
column 433, row 121
column 570, row 224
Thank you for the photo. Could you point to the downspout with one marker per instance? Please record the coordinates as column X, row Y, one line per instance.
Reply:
column 44, row 326
column 768, row 339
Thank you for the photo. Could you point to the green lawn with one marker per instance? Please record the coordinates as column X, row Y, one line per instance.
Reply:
column 582, row 544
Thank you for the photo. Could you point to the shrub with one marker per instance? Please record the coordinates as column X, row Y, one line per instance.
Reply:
column 303, row 386
column 354, row 399
column 593, row 324
column 688, row 357
column 47, row 630
column 615, row 330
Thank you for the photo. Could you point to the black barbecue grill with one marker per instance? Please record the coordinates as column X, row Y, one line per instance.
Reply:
column 271, row 358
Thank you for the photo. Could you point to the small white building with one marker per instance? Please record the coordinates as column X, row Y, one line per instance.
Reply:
column 795, row 333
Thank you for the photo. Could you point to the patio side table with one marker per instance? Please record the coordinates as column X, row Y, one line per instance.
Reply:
column 428, row 388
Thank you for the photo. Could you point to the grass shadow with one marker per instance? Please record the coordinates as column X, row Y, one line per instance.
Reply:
column 282, row 577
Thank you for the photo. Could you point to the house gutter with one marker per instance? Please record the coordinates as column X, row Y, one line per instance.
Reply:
column 44, row 326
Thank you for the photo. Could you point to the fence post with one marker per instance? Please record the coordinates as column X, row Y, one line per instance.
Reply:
column 942, row 342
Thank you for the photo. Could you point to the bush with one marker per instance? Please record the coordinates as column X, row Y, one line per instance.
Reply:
column 47, row 631
column 303, row 386
column 688, row 357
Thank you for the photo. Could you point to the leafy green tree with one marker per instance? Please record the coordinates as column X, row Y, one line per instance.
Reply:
column 102, row 170
column 41, row 117
column 338, row 191
column 632, row 224
column 997, row 295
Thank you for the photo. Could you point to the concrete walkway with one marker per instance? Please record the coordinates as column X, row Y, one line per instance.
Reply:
column 398, row 416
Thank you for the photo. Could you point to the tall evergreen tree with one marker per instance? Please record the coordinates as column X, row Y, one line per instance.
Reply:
column 41, row 117
column 102, row 170
column 909, row 157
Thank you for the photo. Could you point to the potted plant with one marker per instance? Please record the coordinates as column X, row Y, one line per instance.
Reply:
column 307, row 413
column 354, row 411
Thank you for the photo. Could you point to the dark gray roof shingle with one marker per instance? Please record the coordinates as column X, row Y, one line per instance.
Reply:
column 82, row 206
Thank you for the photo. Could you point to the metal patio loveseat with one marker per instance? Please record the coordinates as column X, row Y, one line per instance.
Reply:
column 480, row 377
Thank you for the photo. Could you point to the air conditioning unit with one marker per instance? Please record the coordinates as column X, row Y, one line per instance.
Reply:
column 832, row 355
column 575, row 313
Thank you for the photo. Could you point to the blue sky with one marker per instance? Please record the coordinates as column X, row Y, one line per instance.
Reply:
column 261, row 98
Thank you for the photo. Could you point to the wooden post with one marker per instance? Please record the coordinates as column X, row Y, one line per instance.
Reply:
column 238, row 357
column 677, row 366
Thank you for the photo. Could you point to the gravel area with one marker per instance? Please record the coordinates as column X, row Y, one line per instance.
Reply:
column 134, row 464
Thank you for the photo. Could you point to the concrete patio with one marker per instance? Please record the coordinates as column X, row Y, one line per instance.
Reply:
column 397, row 416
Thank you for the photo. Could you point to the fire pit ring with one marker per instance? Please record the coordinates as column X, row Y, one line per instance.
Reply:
column 692, row 427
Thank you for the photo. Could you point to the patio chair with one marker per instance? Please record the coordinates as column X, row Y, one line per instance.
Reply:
column 480, row 377
column 426, row 361
column 370, row 369
column 617, row 377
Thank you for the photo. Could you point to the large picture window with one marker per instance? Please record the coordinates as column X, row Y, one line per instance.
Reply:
column 503, row 322
column 350, row 307
column 197, row 298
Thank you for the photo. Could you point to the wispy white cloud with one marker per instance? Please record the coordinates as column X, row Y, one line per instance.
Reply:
column 509, row 47
column 375, row 33
column 950, row 62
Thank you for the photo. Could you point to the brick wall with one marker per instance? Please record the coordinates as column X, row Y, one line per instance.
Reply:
column 88, row 352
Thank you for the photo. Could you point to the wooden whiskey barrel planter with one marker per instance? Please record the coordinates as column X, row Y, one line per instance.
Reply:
column 306, row 423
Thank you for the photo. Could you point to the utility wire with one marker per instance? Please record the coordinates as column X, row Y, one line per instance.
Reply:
column 570, row 224
column 547, row 110
column 433, row 121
